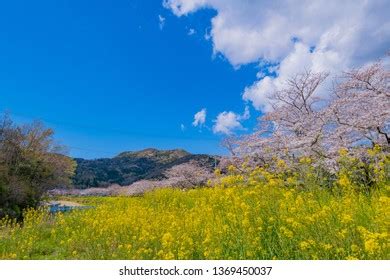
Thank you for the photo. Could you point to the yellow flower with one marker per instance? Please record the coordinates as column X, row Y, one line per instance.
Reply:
column 371, row 246
column 346, row 219
column 232, row 220
column 304, row 245
column 344, row 181
column 281, row 163
column 167, row 239
column 169, row 256
column 343, row 152
column 286, row 232
column 305, row 160
column 231, row 169
column 342, row 233
column 327, row 247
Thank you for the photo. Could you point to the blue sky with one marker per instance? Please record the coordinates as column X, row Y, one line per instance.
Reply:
column 108, row 79
column 111, row 76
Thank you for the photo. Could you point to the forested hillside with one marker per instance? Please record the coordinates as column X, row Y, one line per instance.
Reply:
column 129, row 167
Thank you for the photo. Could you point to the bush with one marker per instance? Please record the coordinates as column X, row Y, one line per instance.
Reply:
column 30, row 164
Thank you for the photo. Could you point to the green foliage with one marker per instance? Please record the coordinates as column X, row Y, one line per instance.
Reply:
column 30, row 164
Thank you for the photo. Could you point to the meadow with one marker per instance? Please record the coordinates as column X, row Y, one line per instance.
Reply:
column 259, row 216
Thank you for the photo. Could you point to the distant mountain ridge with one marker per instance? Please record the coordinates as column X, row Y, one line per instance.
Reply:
column 129, row 167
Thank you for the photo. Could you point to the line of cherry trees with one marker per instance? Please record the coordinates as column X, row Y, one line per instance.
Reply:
column 309, row 120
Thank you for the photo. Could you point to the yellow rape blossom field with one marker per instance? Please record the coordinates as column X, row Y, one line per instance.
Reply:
column 239, row 218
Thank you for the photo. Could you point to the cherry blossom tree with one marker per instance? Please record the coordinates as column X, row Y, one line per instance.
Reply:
column 294, row 128
column 188, row 175
column 354, row 117
column 360, row 109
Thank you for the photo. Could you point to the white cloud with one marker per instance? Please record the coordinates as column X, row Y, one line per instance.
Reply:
column 200, row 118
column 182, row 7
column 322, row 35
column 228, row 122
column 207, row 35
column 161, row 21
column 182, row 127
column 191, row 32
column 246, row 115
column 298, row 60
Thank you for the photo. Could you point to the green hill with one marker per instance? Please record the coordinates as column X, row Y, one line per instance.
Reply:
column 129, row 167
